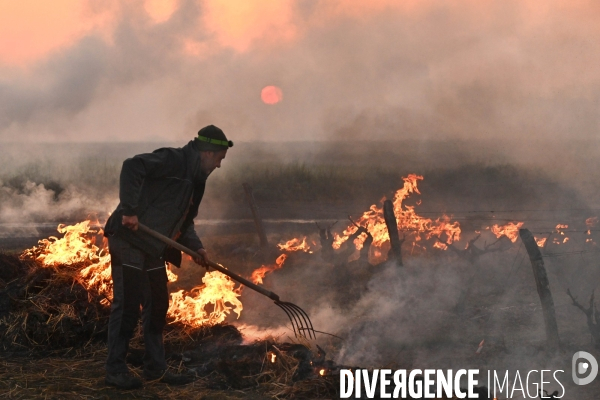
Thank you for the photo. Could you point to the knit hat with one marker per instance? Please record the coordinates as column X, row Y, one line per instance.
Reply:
column 211, row 138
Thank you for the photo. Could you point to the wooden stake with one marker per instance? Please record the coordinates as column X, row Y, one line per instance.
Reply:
column 392, row 227
column 543, row 287
column 264, row 244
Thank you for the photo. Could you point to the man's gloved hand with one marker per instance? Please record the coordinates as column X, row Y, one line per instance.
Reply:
column 202, row 258
column 130, row 222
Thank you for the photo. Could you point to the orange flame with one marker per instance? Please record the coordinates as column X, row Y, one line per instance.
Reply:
column 559, row 229
column 77, row 248
column 510, row 230
column 295, row 245
column 440, row 245
column 540, row 242
column 218, row 290
column 73, row 248
column 259, row 273
column 406, row 218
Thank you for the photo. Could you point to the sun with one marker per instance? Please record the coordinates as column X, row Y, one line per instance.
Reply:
column 271, row 95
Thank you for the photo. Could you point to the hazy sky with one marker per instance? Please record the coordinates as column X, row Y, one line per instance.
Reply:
column 348, row 69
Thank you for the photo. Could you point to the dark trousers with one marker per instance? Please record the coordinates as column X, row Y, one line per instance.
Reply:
column 138, row 280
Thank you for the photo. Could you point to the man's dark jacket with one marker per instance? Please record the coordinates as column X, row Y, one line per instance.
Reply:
column 164, row 189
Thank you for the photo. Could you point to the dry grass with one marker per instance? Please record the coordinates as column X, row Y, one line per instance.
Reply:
column 82, row 377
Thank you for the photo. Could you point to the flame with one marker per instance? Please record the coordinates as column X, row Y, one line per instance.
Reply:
column 540, row 242
column 73, row 248
column 171, row 276
column 273, row 357
column 510, row 230
column 559, row 229
column 218, row 290
column 406, row 218
column 591, row 222
column 77, row 248
column 259, row 273
column 97, row 277
column 440, row 245
column 295, row 244
column 322, row 372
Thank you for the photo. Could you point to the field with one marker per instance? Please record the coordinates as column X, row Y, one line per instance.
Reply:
column 431, row 313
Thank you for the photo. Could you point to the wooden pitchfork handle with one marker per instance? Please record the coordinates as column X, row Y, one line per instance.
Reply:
column 214, row 265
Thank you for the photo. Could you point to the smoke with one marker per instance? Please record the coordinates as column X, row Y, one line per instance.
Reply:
column 435, row 310
column 492, row 69
column 25, row 209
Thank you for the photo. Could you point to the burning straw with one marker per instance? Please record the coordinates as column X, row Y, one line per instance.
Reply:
column 55, row 302
column 58, row 294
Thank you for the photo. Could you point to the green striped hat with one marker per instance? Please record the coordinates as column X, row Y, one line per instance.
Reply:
column 211, row 138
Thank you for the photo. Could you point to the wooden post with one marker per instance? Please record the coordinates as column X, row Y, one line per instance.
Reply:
column 264, row 244
column 543, row 287
column 392, row 227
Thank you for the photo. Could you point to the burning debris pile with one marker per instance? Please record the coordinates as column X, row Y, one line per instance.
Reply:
column 58, row 294
column 47, row 308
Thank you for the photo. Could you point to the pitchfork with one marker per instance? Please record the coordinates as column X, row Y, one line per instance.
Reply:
column 301, row 323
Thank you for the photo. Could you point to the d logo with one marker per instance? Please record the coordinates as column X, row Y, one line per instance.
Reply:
column 582, row 367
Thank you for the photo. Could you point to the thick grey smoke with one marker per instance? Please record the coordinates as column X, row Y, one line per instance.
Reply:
column 488, row 69
column 35, row 203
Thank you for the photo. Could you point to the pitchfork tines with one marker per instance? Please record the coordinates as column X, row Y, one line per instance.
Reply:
column 301, row 323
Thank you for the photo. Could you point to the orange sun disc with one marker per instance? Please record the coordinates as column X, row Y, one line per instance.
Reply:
column 271, row 95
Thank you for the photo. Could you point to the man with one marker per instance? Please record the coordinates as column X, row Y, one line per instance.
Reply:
column 162, row 190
